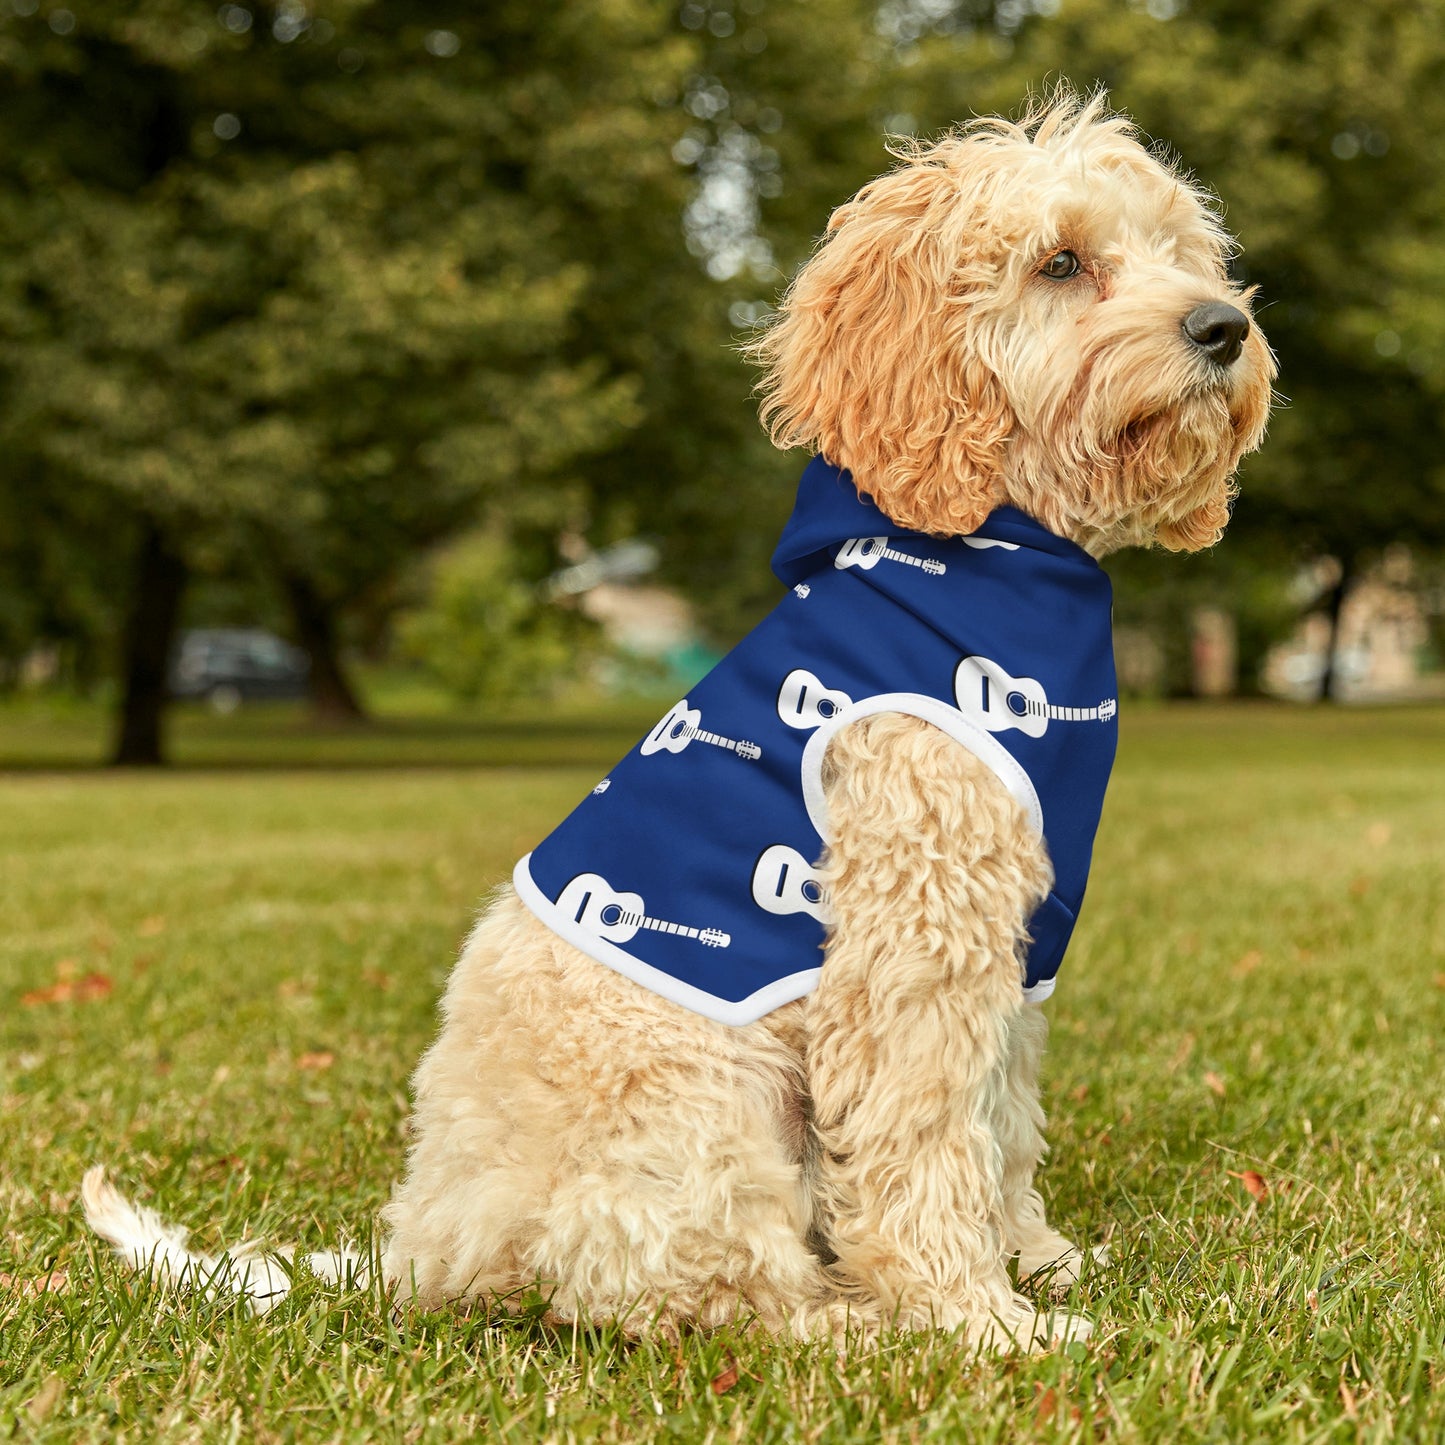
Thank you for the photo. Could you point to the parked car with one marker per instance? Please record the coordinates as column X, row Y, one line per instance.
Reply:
column 230, row 665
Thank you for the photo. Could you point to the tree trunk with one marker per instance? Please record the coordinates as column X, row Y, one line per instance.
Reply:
column 150, row 631
column 1329, row 679
column 333, row 699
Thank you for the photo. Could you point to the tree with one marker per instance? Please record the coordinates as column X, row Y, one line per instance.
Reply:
column 303, row 288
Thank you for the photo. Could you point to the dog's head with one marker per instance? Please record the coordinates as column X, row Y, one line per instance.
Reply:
column 1035, row 313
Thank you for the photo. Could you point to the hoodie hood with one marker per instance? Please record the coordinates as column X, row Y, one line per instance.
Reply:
column 830, row 510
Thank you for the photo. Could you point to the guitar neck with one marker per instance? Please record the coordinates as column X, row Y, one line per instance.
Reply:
column 902, row 557
column 658, row 925
column 1075, row 714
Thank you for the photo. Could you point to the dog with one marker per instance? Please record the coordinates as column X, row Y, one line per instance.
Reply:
column 1015, row 352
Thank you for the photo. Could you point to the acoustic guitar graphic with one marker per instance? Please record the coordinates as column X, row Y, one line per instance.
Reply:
column 987, row 695
column 803, row 701
column 785, row 882
column 590, row 900
column 680, row 727
column 868, row 552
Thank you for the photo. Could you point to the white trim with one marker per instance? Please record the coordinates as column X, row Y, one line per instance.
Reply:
column 950, row 720
column 721, row 1010
column 1040, row 991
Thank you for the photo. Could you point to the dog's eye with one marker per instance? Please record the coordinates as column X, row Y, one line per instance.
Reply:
column 1060, row 266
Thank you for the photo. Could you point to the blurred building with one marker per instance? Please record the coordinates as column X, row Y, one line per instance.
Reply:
column 1382, row 650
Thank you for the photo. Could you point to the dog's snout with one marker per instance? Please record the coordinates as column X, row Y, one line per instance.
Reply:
column 1218, row 331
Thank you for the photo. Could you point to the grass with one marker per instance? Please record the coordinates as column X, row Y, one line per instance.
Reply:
column 217, row 980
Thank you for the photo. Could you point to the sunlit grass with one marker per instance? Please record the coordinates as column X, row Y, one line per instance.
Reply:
column 231, row 972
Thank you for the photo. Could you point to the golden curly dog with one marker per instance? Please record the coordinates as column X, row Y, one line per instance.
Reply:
column 1033, row 313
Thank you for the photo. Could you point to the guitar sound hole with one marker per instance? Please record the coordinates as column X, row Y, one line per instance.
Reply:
column 812, row 892
column 610, row 915
column 678, row 728
column 1017, row 704
column 826, row 708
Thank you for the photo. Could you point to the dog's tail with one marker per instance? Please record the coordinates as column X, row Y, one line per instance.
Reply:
column 147, row 1243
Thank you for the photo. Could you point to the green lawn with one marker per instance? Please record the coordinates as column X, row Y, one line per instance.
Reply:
column 216, row 980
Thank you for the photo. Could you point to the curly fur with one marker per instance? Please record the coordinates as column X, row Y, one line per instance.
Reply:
column 865, row 1156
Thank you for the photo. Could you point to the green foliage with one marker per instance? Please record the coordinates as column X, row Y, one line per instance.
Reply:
column 317, row 286
column 484, row 632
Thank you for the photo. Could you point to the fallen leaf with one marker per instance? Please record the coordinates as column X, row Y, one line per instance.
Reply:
column 151, row 927
column 82, row 990
column 45, row 1399
column 56, row 993
column 1214, row 1083
column 320, row 1059
column 1181, row 1054
column 1253, row 1182
column 56, row 1282
column 1248, row 963
column 1080, row 1094
column 1046, row 1407
column 1440, row 980
column 724, row 1382
column 1359, row 886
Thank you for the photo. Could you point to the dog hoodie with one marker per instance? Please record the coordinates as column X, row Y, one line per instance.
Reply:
column 690, row 867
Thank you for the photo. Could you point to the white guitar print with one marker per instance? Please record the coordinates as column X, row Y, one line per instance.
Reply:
column 987, row 695
column 803, row 701
column 983, row 543
column 785, row 882
column 868, row 552
column 589, row 899
column 680, row 727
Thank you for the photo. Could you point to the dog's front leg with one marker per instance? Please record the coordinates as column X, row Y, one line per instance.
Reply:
column 1042, row 1251
column 933, row 873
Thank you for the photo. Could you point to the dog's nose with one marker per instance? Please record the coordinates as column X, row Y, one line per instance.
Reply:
column 1218, row 331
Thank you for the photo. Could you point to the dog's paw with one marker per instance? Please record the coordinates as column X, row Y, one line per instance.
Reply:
column 1023, row 1326
column 1058, row 1266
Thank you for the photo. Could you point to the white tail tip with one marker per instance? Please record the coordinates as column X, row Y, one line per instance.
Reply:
column 147, row 1243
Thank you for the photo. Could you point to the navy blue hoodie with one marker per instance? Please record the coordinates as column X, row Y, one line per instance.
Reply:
column 690, row 867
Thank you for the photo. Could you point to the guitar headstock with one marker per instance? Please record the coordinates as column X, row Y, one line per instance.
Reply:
column 714, row 938
column 751, row 751
column 934, row 567
column 1107, row 709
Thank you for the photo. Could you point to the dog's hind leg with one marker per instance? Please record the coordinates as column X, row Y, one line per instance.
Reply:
column 576, row 1134
column 1019, row 1128
column 933, row 873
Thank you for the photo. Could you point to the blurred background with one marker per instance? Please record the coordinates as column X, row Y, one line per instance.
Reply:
column 363, row 359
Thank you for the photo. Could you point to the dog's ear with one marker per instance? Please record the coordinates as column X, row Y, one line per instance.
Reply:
column 874, row 358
